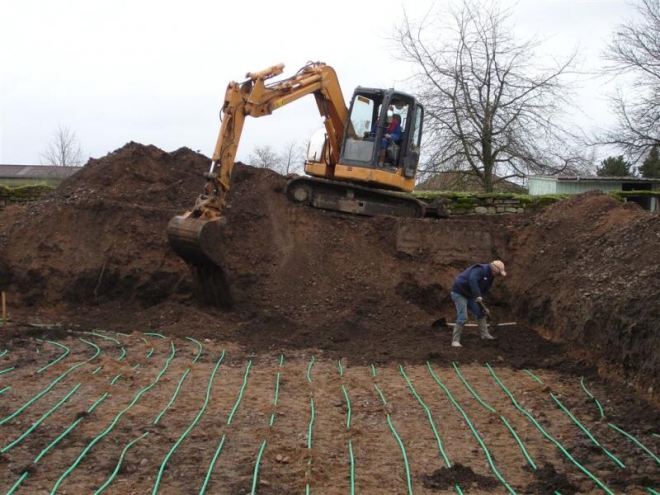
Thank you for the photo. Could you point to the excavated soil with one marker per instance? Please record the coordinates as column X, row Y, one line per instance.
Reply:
column 351, row 298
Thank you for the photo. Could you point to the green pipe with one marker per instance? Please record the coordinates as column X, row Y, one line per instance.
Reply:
column 348, row 406
column 5, row 389
column 345, row 392
column 472, row 428
column 121, row 459
column 587, row 432
column 199, row 348
column 66, row 352
column 36, row 424
column 502, row 418
column 191, row 426
column 310, row 426
column 352, row 468
column 600, row 408
column 229, row 420
column 272, row 419
column 174, row 395
column 429, row 416
column 104, row 337
column 309, row 370
column 637, row 442
column 579, row 424
column 520, row 443
column 40, row 394
column 213, row 461
column 399, row 441
column 7, row 370
column 54, row 443
column 654, row 492
column 154, row 334
column 97, row 370
column 113, row 423
column 122, row 355
column 533, row 376
column 98, row 349
column 4, row 352
column 256, row 468
column 546, row 434
column 114, row 380
column 240, row 393
column 277, row 393
column 474, row 394
column 655, row 435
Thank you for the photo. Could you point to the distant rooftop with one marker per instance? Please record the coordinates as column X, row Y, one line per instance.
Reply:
column 36, row 171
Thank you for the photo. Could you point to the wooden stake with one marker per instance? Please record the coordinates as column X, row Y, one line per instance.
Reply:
column 4, row 309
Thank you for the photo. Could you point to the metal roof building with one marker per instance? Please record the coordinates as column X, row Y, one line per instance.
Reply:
column 576, row 184
column 23, row 175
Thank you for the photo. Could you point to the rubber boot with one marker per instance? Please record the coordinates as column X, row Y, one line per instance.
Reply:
column 483, row 329
column 456, row 336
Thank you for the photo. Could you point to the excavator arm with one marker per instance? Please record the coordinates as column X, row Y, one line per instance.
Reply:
column 196, row 235
column 256, row 98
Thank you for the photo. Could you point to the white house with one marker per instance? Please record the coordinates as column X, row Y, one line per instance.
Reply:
column 576, row 184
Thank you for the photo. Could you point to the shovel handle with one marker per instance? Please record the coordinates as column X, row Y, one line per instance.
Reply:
column 483, row 306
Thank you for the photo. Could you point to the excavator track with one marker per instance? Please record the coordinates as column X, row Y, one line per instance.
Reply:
column 351, row 198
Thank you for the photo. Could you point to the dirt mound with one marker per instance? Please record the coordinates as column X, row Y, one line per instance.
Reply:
column 585, row 271
column 95, row 250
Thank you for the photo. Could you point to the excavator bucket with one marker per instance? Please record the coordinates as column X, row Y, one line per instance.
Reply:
column 198, row 243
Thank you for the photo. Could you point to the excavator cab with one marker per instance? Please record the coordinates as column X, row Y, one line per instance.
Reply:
column 384, row 133
column 380, row 145
column 378, row 156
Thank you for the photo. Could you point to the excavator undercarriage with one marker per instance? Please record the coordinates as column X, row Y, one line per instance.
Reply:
column 352, row 198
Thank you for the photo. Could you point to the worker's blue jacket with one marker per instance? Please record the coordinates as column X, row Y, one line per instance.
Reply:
column 474, row 281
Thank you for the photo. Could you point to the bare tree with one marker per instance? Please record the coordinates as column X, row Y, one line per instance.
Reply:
column 635, row 52
column 265, row 157
column 64, row 150
column 292, row 158
column 491, row 109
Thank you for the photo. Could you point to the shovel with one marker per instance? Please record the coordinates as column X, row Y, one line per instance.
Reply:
column 494, row 322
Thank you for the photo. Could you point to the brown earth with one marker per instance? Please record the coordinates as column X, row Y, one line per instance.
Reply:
column 583, row 284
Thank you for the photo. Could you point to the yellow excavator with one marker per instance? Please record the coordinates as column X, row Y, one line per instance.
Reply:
column 363, row 162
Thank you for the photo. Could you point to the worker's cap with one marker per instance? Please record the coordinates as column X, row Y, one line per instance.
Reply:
column 499, row 266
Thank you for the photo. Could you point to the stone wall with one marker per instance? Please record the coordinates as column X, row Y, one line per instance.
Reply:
column 494, row 203
column 21, row 195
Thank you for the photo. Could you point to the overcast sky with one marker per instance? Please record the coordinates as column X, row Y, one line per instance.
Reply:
column 155, row 72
